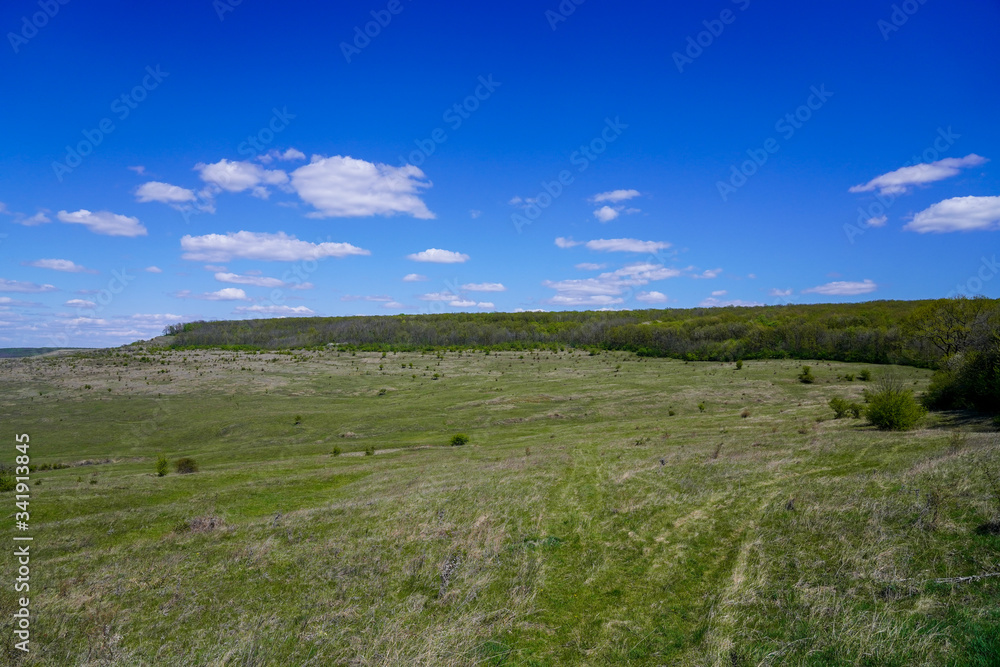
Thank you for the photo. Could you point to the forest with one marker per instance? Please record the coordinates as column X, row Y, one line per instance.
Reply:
column 960, row 338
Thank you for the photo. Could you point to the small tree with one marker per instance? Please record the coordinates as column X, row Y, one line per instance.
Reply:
column 459, row 439
column 891, row 407
column 865, row 375
column 840, row 407
column 739, row 364
column 806, row 376
column 162, row 465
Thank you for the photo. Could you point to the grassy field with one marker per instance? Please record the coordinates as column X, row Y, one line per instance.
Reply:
column 597, row 516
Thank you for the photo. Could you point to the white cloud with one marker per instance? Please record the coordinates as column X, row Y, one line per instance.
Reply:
column 563, row 242
column 224, row 294
column 438, row 296
column 958, row 214
column 779, row 292
column 719, row 292
column 414, row 278
column 164, row 193
column 80, row 303
column 584, row 300
column 58, row 265
column 877, row 221
column 438, row 256
column 590, row 266
column 651, row 297
column 153, row 269
column 606, row 214
column 104, row 222
column 626, row 245
column 708, row 273
column 274, row 154
column 341, row 186
column 21, row 286
column 37, row 219
column 484, row 287
column 843, row 288
column 300, row 311
column 475, row 213
column 239, row 176
column 255, row 281
column 717, row 303
column 607, row 288
column 139, row 169
column 462, row 303
column 614, row 196
column 485, row 305
column 392, row 304
column 278, row 247
column 899, row 181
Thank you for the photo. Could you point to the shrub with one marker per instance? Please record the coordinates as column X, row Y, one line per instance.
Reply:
column 298, row 419
column 856, row 410
column 7, row 482
column 892, row 408
column 185, row 466
column 806, row 375
column 739, row 364
column 865, row 375
column 849, row 377
column 162, row 465
column 336, row 450
column 370, row 450
column 701, row 406
column 745, row 413
column 459, row 439
column 840, row 407
column 671, row 413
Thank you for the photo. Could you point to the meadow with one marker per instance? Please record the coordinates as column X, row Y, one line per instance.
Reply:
column 608, row 509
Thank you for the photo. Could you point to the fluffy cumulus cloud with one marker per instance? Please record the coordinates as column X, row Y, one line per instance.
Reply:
column 164, row 193
column 843, row 288
column 22, row 286
column 438, row 256
column 461, row 303
column 59, row 265
column 38, row 218
column 80, row 303
column 285, row 311
column 485, row 305
column 563, row 242
column 958, row 214
column 340, row 186
column 708, row 274
column 780, row 292
column 255, row 281
column 651, row 297
column 415, row 278
column 438, row 296
column 224, row 294
column 614, row 196
column 279, row 247
column 899, row 181
column 237, row 176
column 607, row 288
column 104, row 222
column 606, row 214
column 484, row 287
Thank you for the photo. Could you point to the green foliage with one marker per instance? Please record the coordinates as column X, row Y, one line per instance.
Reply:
column 459, row 439
column 891, row 407
column 701, row 406
column 336, row 450
column 739, row 364
column 857, row 410
column 185, row 466
column 849, row 377
column 7, row 481
column 840, row 407
column 162, row 465
column 806, row 376
column 298, row 419
column 370, row 450
column 865, row 375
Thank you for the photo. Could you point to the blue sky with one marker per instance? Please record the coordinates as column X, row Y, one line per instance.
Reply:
column 214, row 160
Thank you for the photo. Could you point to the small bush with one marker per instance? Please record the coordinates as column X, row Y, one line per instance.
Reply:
column 7, row 482
column 856, row 410
column 336, row 450
column 892, row 408
column 806, row 376
column 840, row 407
column 671, row 413
column 865, row 375
column 459, row 439
column 849, row 377
column 701, row 407
column 745, row 413
column 298, row 419
column 739, row 364
column 185, row 466
column 370, row 450
column 162, row 465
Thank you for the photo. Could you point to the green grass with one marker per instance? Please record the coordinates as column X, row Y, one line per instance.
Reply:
column 581, row 524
